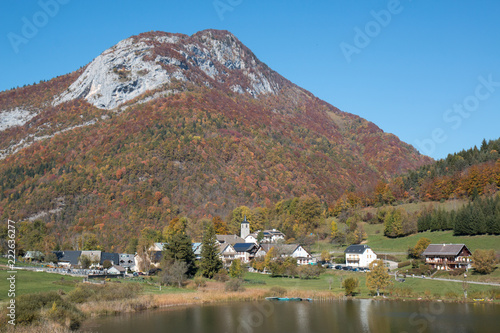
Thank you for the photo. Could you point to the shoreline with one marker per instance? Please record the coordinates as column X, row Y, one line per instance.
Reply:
column 215, row 294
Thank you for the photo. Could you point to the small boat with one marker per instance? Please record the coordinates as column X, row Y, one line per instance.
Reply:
column 293, row 299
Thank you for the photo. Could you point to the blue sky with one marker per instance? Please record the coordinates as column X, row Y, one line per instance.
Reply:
column 426, row 71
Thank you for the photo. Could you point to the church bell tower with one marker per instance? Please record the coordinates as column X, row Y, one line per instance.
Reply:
column 245, row 228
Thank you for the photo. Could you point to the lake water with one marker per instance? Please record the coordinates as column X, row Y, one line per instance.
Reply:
column 304, row 317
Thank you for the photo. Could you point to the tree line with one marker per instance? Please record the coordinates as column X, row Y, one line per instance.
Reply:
column 478, row 217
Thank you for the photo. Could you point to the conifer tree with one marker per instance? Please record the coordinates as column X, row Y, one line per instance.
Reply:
column 179, row 248
column 210, row 261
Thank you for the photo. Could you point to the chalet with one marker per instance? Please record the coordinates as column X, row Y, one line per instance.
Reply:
column 117, row 270
column 229, row 239
column 246, row 251
column 157, row 247
column 269, row 236
column 359, row 255
column 114, row 258
column 447, row 256
column 94, row 256
column 34, row 255
column 151, row 258
column 68, row 258
column 197, row 250
column 291, row 250
column 126, row 260
column 227, row 254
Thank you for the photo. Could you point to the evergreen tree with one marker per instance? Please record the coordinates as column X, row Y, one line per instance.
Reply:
column 179, row 248
column 210, row 261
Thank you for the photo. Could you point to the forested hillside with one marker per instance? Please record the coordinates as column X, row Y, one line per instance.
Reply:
column 221, row 131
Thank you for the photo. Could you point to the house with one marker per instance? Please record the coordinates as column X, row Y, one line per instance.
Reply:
column 34, row 255
column 151, row 258
column 359, row 255
column 94, row 256
column 197, row 250
column 126, row 260
column 117, row 270
column 157, row 247
column 229, row 239
column 269, row 236
column 114, row 258
column 246, row 251
column 447, row 256
column 227, row 254
column 68, row 258
column 291, row 250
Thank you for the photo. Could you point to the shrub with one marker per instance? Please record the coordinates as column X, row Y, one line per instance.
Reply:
column 200, row 282
column 29, row 308
column 350, row 285
column 476, row 295
column 340, row 260
column 107, row 264
column 221, row 275
column 278, row 291
column 457, row 272
column 234, row 285
column 493, row 293
column 309, row 272
column 452, row 295
column 404, row 263
column 80, row 294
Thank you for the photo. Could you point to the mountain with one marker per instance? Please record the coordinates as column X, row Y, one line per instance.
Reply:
column 165, row 124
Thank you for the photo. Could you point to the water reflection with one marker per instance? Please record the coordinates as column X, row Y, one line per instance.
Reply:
column 304, row 317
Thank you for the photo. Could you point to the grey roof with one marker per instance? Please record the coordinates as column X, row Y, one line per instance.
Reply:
column 357, row 249
column 223, row 247
column 281, row 249
column 113, row 257
column 245, row 220
column 71, row 257
column 444, row 249
column 287, row 249
column 245, row 247
column 119, row 268
column 156, row 256
column 231, row 239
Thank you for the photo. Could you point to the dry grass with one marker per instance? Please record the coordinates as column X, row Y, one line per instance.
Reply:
column 43, row 327
column 213, row 292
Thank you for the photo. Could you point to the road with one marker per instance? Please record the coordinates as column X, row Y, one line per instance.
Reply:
column 452, row 280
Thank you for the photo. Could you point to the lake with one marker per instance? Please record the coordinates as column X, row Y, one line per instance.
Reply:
column 307, row 317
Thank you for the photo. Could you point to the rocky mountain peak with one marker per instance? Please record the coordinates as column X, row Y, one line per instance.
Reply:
column 153, row 60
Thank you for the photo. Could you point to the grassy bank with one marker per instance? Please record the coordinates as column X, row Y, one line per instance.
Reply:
column 95, row 300
column 28, row 282
column 379, row 243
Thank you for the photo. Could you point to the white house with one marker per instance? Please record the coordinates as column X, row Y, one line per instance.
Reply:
column 127, row 260
column 269, row 236
column 227, row 253
column 117, row 270
column 359, row 256
column 246, row 251
column 291, row 250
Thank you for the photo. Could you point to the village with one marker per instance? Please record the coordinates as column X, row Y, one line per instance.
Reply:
column 246, row 248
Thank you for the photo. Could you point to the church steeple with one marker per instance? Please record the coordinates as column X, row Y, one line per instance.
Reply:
column 245, row 228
